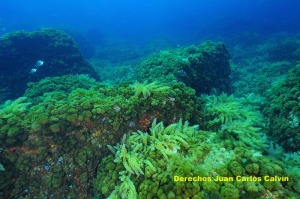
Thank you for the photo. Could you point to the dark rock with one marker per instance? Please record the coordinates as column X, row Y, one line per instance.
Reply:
column 19, row 52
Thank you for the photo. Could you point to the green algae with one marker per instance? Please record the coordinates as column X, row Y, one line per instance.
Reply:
column 151, row 161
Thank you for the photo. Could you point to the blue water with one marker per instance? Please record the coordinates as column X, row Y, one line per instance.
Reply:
column 186, row 20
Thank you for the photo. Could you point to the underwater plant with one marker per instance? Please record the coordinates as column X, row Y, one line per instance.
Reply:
column 10, row 114
column 65, row 83
column 236, row 118
column 181, row 161
column 147, row 89
column 40, row 133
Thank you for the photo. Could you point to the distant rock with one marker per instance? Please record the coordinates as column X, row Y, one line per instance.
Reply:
column 21, row 50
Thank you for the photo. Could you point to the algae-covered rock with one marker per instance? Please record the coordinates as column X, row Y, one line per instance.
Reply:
column 203, row 67
column 283, row 111
column 19, row 52
column 178, row 170
column 52, row 140
column 65, row 83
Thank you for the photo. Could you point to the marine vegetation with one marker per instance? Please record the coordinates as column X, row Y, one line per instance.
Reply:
column 147, row 89
column 65, row 84
column 10, row 113
column 162, row 135
column 283, row 111
column 236, row 118
column 163, row 162
column 204, row 67
column 53, row 139
column 257, row 76
column 257, row 64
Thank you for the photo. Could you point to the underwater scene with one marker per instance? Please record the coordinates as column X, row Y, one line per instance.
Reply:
column 160, row 99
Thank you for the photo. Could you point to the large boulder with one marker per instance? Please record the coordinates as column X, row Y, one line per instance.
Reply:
column 203, row 67
column 19, row 52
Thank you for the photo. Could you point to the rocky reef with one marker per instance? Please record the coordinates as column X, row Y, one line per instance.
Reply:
column 204, row 67
column 181, row 161
column 283, row 110
column 19, row 52
column 53, row 138
column 171, row 134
